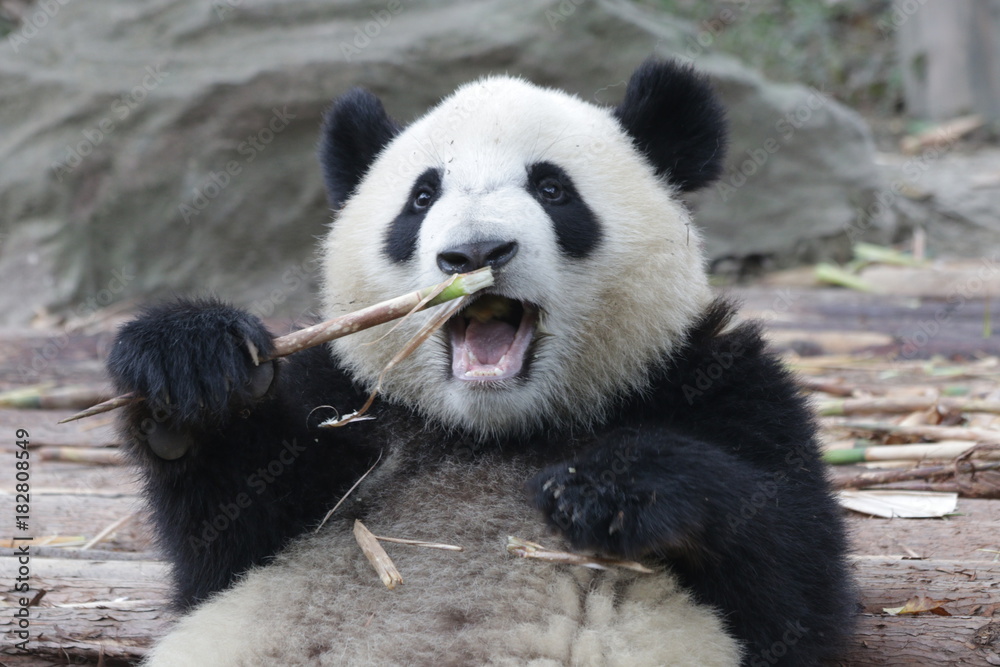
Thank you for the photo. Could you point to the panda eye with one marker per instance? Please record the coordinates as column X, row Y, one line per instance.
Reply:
column 423, row 198
column 551, row 190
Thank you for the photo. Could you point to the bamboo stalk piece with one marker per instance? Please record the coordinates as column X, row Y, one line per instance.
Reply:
column 458, row 285
column 377, row 556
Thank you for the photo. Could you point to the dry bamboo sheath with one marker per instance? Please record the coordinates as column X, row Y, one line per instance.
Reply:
column 457, row 286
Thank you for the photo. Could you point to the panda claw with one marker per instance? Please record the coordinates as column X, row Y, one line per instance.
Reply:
column 617, row 524
column 252, row 349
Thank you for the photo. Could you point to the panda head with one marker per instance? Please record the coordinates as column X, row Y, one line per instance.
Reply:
column 598, row 269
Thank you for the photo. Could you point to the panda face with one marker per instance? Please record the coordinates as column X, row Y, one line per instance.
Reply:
column 597, row 268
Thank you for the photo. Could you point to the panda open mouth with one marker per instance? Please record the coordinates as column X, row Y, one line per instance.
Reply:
column 490, row 338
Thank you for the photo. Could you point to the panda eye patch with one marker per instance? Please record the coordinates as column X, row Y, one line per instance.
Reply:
column 578, row 231
column 401, row 236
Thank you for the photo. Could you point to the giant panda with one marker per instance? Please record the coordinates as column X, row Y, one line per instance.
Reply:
column 597, row 399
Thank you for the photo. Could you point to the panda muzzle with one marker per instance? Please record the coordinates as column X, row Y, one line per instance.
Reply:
column 490, row 339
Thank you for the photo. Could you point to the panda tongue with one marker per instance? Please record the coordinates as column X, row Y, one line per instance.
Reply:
column 489, row 341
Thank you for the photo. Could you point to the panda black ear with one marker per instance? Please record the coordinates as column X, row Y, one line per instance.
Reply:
column 355, row 129
column 675, row 118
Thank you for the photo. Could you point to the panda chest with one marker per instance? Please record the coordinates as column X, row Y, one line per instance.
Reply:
column 482, row 605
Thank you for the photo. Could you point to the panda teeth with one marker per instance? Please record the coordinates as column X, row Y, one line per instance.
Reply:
column 484, row 373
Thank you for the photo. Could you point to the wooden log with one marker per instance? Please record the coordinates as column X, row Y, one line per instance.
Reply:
column 970, row 535
column 113, row 632
column 114, row 609
column 45, row 432
column 889, row 581
column 906, row 641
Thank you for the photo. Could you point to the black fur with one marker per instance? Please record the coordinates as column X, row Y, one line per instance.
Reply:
column 676, row 120
column 401, row 237
column 715, row 469
column 577, row 230
column 355, row 129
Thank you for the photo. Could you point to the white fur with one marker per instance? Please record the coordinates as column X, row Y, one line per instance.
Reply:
column 606, row 316
column 322, row 604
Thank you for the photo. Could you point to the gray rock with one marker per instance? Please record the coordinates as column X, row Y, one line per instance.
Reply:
column 953, row 194
column 167, row 147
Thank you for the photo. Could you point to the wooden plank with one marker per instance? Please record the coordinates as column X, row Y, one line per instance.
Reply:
column 968, row 589
column 971, row 535
column 82, row 478
column 87, row 515
column 898, row 641
column 116, row 608
column 44, row 429
column 108, row 632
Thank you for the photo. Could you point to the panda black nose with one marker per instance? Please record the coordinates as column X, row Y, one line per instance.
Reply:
column 472, row 256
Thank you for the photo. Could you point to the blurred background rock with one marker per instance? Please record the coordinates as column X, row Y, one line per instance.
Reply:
column 167, row 147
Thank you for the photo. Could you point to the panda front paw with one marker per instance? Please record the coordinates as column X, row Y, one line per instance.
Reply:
column 194, row 362
column 617, row 501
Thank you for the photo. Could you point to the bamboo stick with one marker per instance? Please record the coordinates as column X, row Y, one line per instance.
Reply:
column 49, row 397
column 419, row 543
column 97, row 539
column 525, row 549
column 458, row 285
column 947, row 449
column 873, row 477
column 927, row 431
column 377, row 556
column 89, row 455
column 903, row 405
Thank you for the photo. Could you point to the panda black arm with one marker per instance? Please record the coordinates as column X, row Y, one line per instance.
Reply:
column 230, row 466
column 716, row 471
